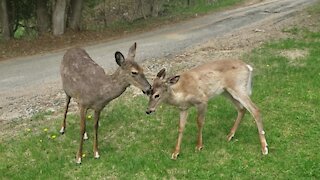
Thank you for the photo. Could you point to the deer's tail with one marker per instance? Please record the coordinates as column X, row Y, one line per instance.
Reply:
column 249, row 82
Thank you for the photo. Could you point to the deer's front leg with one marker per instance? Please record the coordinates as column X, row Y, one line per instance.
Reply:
column 95, row 142
column 202, row 108
column 182, row 124
column 82, row 132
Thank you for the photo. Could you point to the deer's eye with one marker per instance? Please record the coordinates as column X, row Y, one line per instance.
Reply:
column 134, row 73
column 157, row 96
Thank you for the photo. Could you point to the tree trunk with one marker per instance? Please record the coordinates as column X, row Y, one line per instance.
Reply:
column 189, row 2
column 58, row 17
column 43, row 18
column 155, row 7
column 75, row 14
column 6, row 33
column 141, row 7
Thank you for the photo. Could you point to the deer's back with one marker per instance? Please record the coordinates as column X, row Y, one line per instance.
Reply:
column 220, row 67
column 81, row 76
column 210, row 79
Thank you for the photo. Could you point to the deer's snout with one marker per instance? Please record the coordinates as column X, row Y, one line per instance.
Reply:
column 148, row 91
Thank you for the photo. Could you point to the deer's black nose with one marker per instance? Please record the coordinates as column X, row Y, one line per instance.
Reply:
column 148, row 92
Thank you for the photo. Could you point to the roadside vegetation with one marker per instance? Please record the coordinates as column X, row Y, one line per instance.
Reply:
column 136, row 146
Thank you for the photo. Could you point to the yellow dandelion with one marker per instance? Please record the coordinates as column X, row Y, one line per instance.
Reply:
column 53, row 136
column 89, row 116
column 45, row 129
column 40, row 140
column 28, row 129
column 83, row 155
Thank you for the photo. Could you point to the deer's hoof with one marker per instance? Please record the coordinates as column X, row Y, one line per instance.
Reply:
column 174, row 155
column 230, row 136
column 85, row 136
column 265, row 150
column 62, row 130
column 78, row 160
column 96, row 155
column 199, row 147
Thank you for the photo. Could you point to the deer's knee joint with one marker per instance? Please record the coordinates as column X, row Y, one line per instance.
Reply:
column 256, row 111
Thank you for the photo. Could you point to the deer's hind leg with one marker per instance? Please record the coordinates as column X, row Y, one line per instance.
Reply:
column 244, row 99
column 63, row 126
column 241, row 112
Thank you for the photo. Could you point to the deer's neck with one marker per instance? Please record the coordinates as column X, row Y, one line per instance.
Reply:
column 119, row 80
column 170, row 96
column 115, row 85
column 177, row 98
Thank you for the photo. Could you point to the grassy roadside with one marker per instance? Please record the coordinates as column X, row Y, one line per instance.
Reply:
column 30, row 45
column 136, row 146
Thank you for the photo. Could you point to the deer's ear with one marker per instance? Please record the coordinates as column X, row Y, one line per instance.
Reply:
column 119, row 58
column 162, row 73
column 173, row 80
column 132, row 51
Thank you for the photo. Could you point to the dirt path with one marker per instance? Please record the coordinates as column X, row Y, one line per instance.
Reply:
column 32, row 84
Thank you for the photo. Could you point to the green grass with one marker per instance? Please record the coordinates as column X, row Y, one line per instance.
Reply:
column 136, row 146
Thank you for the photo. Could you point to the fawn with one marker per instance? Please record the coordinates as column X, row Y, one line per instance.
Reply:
column 195, row 87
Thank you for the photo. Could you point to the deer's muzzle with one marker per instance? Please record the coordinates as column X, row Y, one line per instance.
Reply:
column 147, row 92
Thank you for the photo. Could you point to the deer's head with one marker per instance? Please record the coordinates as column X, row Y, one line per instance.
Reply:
column 160, row 89
column 131, row 70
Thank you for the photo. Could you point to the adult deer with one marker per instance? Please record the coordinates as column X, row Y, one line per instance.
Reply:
column 91, row 88
column 196, row 86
